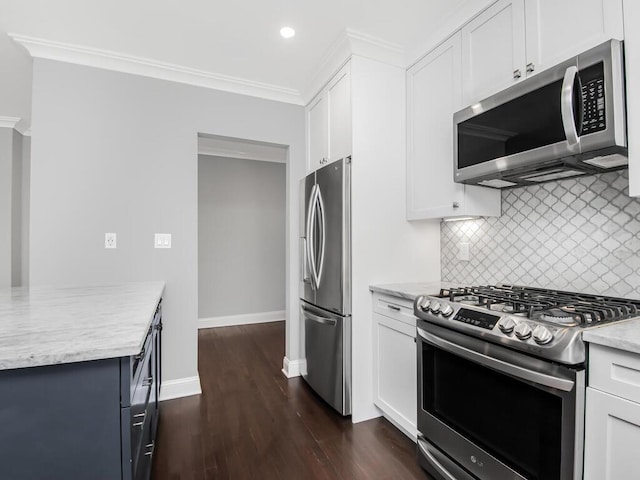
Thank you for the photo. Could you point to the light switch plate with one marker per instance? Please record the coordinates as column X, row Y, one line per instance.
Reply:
column 110, row 240
column 463, row 254
column 162, row 240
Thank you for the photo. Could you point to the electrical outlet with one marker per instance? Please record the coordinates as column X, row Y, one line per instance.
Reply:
column 110, row 240
column 162, row 240
column 463, row 253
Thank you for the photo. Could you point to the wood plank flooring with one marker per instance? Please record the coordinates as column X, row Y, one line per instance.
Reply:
column 253, row 423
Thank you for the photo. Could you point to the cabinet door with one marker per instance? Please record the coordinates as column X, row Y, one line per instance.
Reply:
column 493, row 50
column 317, row 132
column 433, row 95
column 339, row 105
column 395, row 372
column 558, row 30
column 612, row 436
column 632, row 73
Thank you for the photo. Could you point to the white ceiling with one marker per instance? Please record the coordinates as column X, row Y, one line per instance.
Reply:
column 236, row 38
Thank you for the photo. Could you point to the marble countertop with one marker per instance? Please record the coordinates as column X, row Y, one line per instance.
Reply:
column 411, row 290
column 52, row 325
column 623, row 335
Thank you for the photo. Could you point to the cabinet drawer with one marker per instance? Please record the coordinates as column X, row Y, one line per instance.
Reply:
column 394, row 307
column 615, row 371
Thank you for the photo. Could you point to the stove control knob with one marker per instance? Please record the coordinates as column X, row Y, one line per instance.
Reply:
column 523, row 331
column 435, row 308
column 447, row 310
column 423, row 304
column 542, row 335
column 506, row 325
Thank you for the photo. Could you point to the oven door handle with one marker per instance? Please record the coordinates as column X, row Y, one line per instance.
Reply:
column 434, row 462
column 497, row 364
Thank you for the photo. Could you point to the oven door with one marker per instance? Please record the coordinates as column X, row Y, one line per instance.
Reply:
column 488, row 412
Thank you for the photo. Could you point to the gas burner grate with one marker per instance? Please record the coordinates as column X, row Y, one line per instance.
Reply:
column 549, row 305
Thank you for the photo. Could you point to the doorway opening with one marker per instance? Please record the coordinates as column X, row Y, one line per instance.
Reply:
column 241, row 231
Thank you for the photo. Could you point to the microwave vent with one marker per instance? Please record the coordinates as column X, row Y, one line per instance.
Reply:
column 556, row 175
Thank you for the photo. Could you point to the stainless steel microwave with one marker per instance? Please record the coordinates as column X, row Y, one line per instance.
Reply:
column 566, row 121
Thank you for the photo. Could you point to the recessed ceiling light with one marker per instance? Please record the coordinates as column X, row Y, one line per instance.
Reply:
column 287, row 32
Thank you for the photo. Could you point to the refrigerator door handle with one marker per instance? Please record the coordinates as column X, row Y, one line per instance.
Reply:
column 311, row 238
column 323, row 224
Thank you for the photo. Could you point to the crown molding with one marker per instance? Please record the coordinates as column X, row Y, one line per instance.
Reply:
column 109, row 60
column 9, row 122
column 351, row 42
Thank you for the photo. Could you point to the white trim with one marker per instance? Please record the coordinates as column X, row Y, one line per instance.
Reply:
column 293, row 368
column 245, row 319
column 351, row 42
column 120, row 62
column 9, row 122
column 181, row 387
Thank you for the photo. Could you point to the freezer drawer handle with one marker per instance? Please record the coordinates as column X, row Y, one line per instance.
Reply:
column 318, row 319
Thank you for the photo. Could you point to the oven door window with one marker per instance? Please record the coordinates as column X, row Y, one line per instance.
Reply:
column 511, row 419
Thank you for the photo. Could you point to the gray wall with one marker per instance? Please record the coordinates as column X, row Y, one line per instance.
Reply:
column 241, row 236
column 25, row 205
column 6, row 181
column 581, row 234
column 113, row 152
column 16, row 209
column 15, row 80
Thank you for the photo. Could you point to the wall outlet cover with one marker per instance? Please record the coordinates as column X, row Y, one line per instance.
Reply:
column 463, row 254
column 162, row 240
column 110, row 240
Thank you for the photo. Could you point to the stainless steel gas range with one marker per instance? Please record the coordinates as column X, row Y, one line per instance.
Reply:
column 501, row 380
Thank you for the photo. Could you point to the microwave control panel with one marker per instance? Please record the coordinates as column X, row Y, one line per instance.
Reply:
column 593, row 101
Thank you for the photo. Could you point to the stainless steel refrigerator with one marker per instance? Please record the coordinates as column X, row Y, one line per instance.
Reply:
column 326, row 283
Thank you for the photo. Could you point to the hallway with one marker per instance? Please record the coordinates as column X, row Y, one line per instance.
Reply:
column 252, row 422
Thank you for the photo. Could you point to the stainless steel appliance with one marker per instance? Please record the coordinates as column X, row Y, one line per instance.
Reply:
column 566, row 121
column 326, row 283
column 501, row 380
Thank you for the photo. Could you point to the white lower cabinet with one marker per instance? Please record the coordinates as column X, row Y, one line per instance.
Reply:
column 394, row 362
column 612, row 425
column 612, row 437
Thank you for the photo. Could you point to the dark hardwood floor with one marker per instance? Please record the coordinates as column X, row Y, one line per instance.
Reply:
column 253, row 423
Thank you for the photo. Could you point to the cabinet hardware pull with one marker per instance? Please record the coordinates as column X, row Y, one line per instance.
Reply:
column 152, row 447
column 147, row 382
column 530, row 67
column 140, row 415
column 517, row 74
column 456, row 205
column 393, row 307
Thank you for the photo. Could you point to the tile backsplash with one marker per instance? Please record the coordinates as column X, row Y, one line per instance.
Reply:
column 580, row 234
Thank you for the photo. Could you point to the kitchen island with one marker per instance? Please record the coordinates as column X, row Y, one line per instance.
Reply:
column 79, row 380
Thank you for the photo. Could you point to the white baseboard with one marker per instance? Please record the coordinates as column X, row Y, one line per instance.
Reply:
column 231, row 320
column 293, row 368
column 181, row 387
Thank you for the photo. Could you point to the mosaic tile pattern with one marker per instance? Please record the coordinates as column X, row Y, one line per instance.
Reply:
column 580, row 234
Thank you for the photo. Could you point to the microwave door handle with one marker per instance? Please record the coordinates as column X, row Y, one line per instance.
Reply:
column 323, row 224
column 566, row 107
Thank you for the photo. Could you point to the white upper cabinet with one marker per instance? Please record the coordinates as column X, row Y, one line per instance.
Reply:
column 434, row 93
column 493, row 50
column 317, row 143
column 560, row 29
column 329, row 122
column 339, row 99
column 514, row 39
